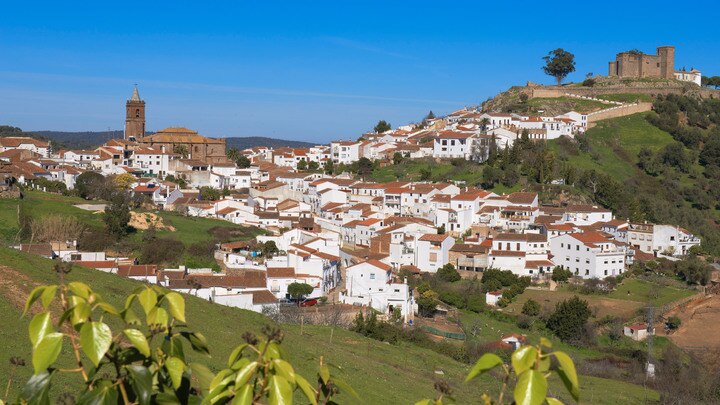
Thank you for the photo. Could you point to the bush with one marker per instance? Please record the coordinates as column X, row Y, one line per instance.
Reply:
column 569, row 319
column 588, row 82
column 531, row 308
column 161, row 251
column 426, row 306
column 448, row 273
column 560, row 275
column 524, row 322
column 673, row 322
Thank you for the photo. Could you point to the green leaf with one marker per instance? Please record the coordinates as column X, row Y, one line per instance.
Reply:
column 235, row 355
column 95, row 339
column 129, row 316
column 104, row 393
column 523, row 358
column 306, row 388
column 202, row 375
column 544, row 363
column 157, row 316
column 34, row 295
column 284, row 369
column 487, row 362
column 142, row 383
column 36, row 389
column 148, row 300
column 39, row 327
column 345, row 387
column 553, row 401
column 531, row 388
column 176, row 305
column 46, row 351
column 545, row 342
column 223, row 377
column 80, row 289
column 129, row 300
column 245, row 373
column 108, row 308
column 280, row 391
column 48, row 295
column 568, row 375
column 423, row 402
column 175, row 368
column 244, row 396
column 324, row 373
column 138, row 340
column 80, row 310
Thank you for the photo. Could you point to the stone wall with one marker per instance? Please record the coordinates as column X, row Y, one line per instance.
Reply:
column 618, row 111
column 555, row 91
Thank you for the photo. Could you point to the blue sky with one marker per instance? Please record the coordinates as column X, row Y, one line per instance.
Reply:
column 313, row 72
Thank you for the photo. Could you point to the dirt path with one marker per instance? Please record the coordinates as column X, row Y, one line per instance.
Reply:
column 699, row 328
column 15, row 286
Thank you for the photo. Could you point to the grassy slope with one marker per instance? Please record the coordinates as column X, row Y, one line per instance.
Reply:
column 615, row 144
column 380, row 372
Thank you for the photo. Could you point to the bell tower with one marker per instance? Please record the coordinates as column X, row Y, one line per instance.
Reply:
column 134, row 117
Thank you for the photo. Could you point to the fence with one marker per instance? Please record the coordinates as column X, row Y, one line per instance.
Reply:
column 438, row 332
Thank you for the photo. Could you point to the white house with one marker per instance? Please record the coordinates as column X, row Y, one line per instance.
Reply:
column 371, row 283
column 589, row 254
column 432, row 251
column 666, row 240
column 345, row 152
column 452, row 144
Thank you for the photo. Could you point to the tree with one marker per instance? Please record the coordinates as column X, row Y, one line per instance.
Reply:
column 302, row 165
column 558, row 64
column 313, row 165
column 560, row 275
column 382, row 126
column 269, row 248
column 161, row 251
column 329, row 166
column 448, row 273
column 243, row 162
column 123, row 181
column 569, row 319
column 397, row 158
column 181, row 150
column 299, row 290
column 90, row 185
column 531, row 308
column 209, row 193
column 430, row 116
column 441, row 229
column 117, row 216
column 426, row 305
column 365, row 167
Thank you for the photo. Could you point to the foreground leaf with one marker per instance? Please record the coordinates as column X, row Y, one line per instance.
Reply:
column 306, row 388
column 568, row 375
column 39, row 327
column 142, row 383
column 95, row 339
column 34, row 295
column 487, row 362
column 47, row 351
column 175, row 368
column 138, row 340
column 523, row 358
column 280, row 391
column 147, row 299
column 36, row 389
column 104, row 393
column 531, row 388
column 244, row 396
column 176, row 304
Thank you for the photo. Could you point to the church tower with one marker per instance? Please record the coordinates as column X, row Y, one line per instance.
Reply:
column 134, row 117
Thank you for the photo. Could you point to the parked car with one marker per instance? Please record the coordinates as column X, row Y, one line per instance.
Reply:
column 308, row 302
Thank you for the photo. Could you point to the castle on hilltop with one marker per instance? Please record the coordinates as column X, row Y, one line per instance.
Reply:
column 661, row 65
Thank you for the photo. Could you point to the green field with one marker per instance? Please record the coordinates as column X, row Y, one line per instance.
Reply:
column 380, row 372
column 567, row 104
column 647, row 292
column 37, row 204
column 614, row 145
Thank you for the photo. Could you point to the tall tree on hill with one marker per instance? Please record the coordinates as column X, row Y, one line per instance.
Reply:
column 117, row 215
column 364, row 167
column 558, row 64
column 382, row 126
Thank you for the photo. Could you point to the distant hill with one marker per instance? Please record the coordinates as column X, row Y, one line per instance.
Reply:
column 80, row 140
column 250, row 141
column 89, row 139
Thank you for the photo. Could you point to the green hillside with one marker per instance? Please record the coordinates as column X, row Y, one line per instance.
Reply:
column 380, row 372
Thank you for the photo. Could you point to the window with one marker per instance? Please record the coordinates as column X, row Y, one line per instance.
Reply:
column 372, row 276
column 577, row 247
column 587, row 272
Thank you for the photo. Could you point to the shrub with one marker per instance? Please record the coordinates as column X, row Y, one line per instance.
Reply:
column 589, row 82
column 531, row 308
column 448, row 273
column 673, row 322
column 560, row 274
column 161, row 251
column 569, row 319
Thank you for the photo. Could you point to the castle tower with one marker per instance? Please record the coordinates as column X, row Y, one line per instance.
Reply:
column 667, row 61
column 134, row 117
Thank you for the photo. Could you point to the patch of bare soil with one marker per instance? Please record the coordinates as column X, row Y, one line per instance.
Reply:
column 699, row 328
column 15, row 286
column 145, row 220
